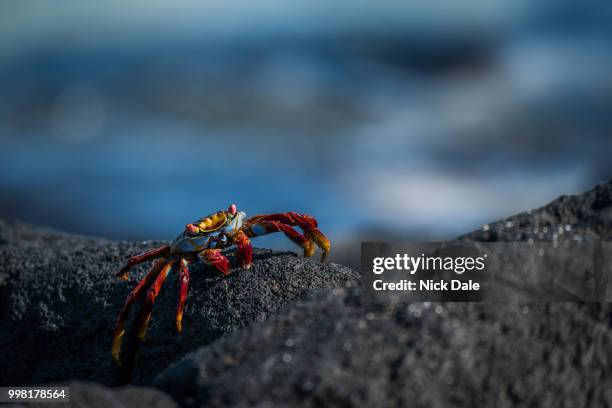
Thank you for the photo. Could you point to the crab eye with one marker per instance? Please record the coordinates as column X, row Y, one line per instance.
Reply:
column 232, row 209
column 191, row 229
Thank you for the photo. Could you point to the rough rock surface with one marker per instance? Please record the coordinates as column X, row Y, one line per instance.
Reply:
column 584, row 216
column 333, row 349
column 314, row 347
column 92, row 395
column 59, row 299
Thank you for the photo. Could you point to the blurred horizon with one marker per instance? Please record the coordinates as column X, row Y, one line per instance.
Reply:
column 419, row 120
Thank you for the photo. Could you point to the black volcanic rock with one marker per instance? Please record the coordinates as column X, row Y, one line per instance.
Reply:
column 92, row 395
column 585, row 216
column 59, row 299
column 334, row 349
column 269, row 337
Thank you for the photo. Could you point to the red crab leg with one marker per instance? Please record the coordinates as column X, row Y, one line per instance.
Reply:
column 316, row 236
column 184, row 279
column 291, row 218
column 269, row 227
column 305, row 222
column 151, row 296
column 245, row 249
column 138, row 259
column 134, row 294
column 215, row 258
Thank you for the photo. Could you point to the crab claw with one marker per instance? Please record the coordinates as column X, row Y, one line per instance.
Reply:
column 215, row 258
column 245, row 250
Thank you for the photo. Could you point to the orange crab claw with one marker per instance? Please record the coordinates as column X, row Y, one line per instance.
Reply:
column 245, row 249
column 215, row 258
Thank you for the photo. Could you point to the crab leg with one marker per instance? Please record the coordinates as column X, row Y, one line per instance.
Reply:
column 151, row 296
column 134, row 294
column 316, row 236
column 215, row 258
column 138, row 259
column 269, row 227
column 184, row 279
column 291, row 218
column 245, row 249
column 306, row 222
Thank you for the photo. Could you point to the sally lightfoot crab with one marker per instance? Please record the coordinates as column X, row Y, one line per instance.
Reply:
column 204, row 240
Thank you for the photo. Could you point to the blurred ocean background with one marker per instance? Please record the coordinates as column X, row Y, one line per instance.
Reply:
column 385, row 120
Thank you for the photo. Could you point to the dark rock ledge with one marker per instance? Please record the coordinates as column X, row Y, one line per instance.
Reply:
column 332, row 349
column 60, row 299
column 307, row 347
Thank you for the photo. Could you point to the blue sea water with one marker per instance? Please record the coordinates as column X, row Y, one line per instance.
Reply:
column 418, row 133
